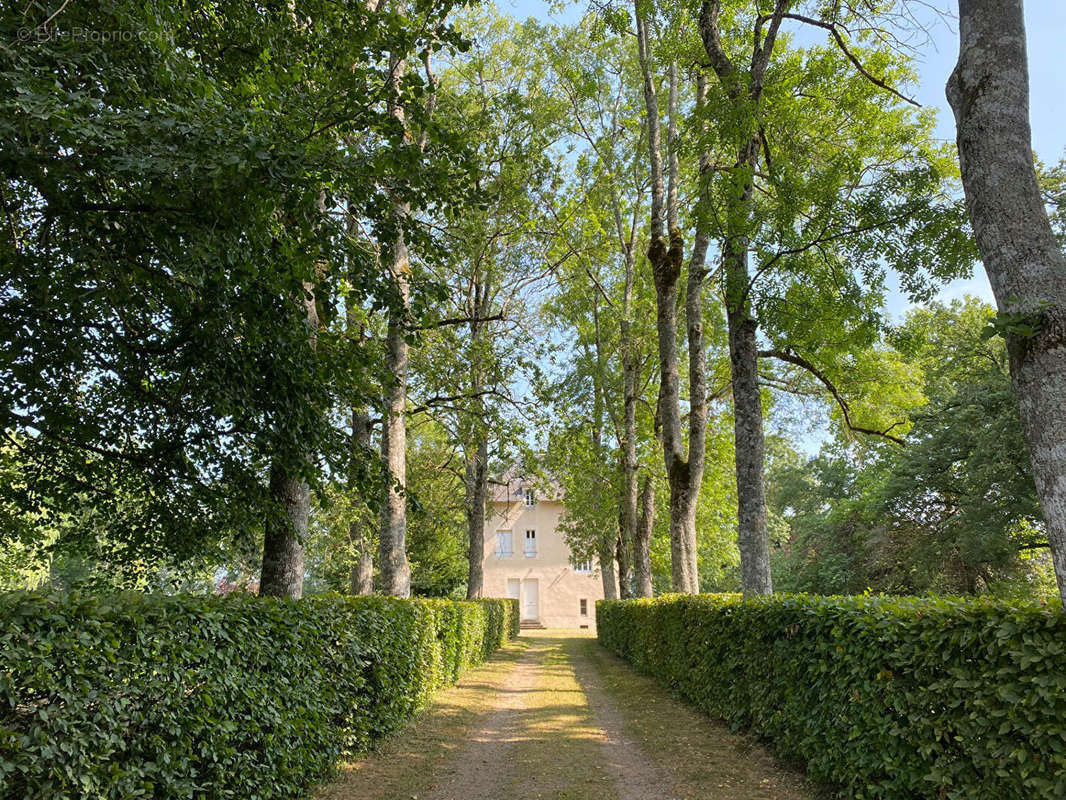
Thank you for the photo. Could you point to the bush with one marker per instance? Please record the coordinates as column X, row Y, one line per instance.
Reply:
column 135, row 696
column 881, row 697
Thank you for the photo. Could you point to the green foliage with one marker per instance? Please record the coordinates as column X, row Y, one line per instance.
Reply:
column 127, row 696
column 436, row 531
column 953, row 509
column 889, row 698
column 163, row 220
column 436, row 526
column 1053, row 186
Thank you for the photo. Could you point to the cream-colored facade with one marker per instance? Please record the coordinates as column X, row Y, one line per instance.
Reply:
column 536, row 567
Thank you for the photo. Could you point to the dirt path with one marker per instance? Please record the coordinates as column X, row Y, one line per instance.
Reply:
column 556, row 717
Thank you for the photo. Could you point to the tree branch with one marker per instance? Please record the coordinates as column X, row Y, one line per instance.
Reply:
column 459, row 321
column 843, row 45
column 791, row 358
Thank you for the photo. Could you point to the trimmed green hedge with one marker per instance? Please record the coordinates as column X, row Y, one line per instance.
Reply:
column 134, row 696
column 881, row 697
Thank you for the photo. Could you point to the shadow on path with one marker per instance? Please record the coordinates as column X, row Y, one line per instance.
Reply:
column 555, row 716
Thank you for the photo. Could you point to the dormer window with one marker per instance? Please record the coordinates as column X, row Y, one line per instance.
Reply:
column 528, row 497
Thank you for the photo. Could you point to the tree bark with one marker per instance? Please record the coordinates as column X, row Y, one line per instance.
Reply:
column 748, row 436
column 666, row 256
column 752, row 536
column 282, row 574
column 362, row 577
column 607, row 571
column 630, row 380
column 476, row 487
column 392, row 541
column 989, row 93
column 392, row 545
column 744, row 90
column 283, row 548
column 476, row 434
column 697, row 366
column 749, row 441
column 606, row 542
column 625, row 575
column 642, row 540
column 362, row 572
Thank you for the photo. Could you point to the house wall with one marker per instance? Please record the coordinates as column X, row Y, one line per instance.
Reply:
column 561, row 589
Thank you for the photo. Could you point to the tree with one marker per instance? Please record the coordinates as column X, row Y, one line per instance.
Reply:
column 684, row 461
column 600, row 79
column 159, row 364
column 989, row 93
column 392, row 545
column 477, row 341
column 819, row 161
column 952, row 510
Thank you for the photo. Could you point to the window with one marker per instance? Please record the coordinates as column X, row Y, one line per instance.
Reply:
column 531, row 544
column 503, row 544
column 583, row 566
column 530, row 498
column 584, row 607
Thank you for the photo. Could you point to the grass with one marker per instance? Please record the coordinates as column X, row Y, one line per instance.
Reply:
column 554, row 716
column 559, row 755
column 406, row 764
column 702, row 756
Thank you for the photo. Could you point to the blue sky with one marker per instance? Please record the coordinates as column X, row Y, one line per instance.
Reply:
column 1046, row 27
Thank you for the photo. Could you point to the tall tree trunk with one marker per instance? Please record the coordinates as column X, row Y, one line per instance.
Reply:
column 392, row 545
column 989, row 93
column 744, row 89
column 625, row 575
column 607, row 571
column 752, row 536
column 476, row 438
column 282, row 574
column 477, row 489
column 630, row 380
column 362, row 575
column 749, row 440
column 392, row 541
column 697, row 382
column 606, row 543
column 666, row 257
column 362, row 572
column 642, row 540
column 283, row 547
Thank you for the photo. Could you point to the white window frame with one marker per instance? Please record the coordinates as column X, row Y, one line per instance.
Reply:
column 500, row 553
column 531, row 539
column 529, row 498
column 583, row 566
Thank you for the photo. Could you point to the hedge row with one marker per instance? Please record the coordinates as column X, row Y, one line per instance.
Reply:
column 895, row 698
column 134, row 696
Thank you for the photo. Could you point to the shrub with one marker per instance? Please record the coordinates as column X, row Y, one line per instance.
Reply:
column 135, row 696
column 881, row 697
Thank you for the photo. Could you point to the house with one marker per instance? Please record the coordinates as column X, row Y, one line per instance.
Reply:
column 526, row 557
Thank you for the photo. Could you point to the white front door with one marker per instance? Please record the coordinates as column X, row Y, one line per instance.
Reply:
column 513, row 587
column 529, row 600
